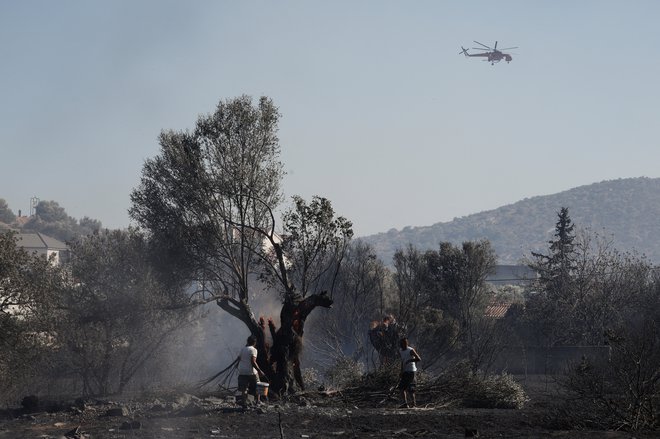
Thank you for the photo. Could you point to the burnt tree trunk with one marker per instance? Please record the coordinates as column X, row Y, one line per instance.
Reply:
column 242, row 311
column 281, row 361
column 288, row 340
column 384, row 337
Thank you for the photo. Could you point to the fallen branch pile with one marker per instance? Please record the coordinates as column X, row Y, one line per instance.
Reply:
column 457, row 386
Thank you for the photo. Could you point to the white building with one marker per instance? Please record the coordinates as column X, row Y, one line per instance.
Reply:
column 43, row 245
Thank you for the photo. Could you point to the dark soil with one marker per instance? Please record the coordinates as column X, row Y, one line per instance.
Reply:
column 314, row 415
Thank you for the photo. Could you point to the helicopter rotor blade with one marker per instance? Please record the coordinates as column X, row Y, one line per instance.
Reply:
column 479, row 48
column 509, row 48
column 495, row 46
column 482, row 44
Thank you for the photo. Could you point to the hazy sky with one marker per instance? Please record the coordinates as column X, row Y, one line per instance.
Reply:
column 379, row 112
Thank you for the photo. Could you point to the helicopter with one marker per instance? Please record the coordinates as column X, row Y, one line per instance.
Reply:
column 492, row 55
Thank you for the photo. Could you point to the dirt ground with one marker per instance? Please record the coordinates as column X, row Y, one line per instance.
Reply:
column 314, row 415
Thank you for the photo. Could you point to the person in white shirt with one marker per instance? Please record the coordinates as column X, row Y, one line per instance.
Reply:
column 409, row 358
column 248, row 370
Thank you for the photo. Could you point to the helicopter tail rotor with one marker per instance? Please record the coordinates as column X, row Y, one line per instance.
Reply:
column 464, row 51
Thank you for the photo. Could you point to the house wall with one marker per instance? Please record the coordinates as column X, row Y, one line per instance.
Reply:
column 55, row 255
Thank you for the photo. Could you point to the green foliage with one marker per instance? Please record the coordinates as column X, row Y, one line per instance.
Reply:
column 114, row 315
column 51, row 212
column 436, row 334
column 509, row 294
column 51, row 219
column 550, row 309
column 443, row 294
column 582, row 292
column 460, row 273
column 24, row 278
column 103, row 317
column 207, row 198
column 413, row 283
column 557, row 267
column 6, row 214
column 315, row 242
column 88, row 226
column 208, row 201
column 25, row 281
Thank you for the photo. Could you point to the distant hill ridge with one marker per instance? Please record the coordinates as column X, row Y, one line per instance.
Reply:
column 624, row 210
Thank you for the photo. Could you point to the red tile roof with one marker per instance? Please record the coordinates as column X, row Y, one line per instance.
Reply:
column 497, row 310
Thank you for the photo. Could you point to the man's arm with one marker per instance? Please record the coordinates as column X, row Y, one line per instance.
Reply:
column 414, row 356
column 256, row 366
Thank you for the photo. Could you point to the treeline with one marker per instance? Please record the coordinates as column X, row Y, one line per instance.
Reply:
column 586, row 294
column 50, row 219
column 87, row 327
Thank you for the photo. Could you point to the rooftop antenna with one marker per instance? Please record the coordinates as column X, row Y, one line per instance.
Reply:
column 34, row 201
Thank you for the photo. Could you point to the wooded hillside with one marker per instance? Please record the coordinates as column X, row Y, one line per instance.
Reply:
column 625, row 210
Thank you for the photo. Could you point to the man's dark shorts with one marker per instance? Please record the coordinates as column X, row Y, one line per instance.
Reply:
column 407, row 381
column 248, row 382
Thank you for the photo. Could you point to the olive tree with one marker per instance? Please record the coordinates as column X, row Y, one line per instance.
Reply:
column 209, row 197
